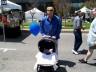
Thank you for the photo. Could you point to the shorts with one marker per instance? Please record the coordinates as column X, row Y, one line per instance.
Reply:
column 93, row 47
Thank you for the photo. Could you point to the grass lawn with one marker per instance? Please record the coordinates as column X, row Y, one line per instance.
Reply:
column 68, row 24
column 65, row 24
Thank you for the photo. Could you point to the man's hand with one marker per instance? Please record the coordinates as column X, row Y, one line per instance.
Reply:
column 46, row 36
column 53, row 37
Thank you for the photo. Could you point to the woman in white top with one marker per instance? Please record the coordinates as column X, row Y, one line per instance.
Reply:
column 91, row 40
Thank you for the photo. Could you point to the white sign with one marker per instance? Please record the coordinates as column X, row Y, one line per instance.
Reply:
column 3, row 2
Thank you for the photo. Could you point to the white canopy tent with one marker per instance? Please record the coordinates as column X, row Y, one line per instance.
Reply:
column 10, row 5
column 34, row 14
column 85, row 10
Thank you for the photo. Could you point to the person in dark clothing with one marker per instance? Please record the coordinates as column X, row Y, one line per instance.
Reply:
column 77, row 26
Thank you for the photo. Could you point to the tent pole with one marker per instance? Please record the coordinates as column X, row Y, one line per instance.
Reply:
column 3, row 3
column 3, row 27
column 32, row 14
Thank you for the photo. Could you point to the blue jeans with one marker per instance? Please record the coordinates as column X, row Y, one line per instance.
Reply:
column 78, row 39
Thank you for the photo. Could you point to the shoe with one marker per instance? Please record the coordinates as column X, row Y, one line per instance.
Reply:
column 75, row 52
column 82, row 61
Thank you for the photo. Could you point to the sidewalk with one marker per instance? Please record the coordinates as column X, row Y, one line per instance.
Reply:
column 71, row 30
column 68, row 30
column 18, row 55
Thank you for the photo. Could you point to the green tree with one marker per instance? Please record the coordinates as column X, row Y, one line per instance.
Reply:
column 90, row 3
column 62, row 6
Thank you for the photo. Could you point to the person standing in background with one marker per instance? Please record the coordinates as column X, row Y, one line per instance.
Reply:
column 77, row 26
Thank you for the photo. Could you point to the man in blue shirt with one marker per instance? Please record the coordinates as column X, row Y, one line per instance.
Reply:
column 51, row 24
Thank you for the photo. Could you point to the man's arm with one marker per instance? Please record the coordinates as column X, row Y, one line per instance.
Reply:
column 42, row 27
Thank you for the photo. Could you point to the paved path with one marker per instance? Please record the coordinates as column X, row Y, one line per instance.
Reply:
column 67, row 30
column 19, row 54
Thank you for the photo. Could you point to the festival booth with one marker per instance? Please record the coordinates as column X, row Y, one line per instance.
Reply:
column 34, row 14
column 9, row 19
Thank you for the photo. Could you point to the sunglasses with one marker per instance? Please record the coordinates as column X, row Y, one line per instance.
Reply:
column 49, row 10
